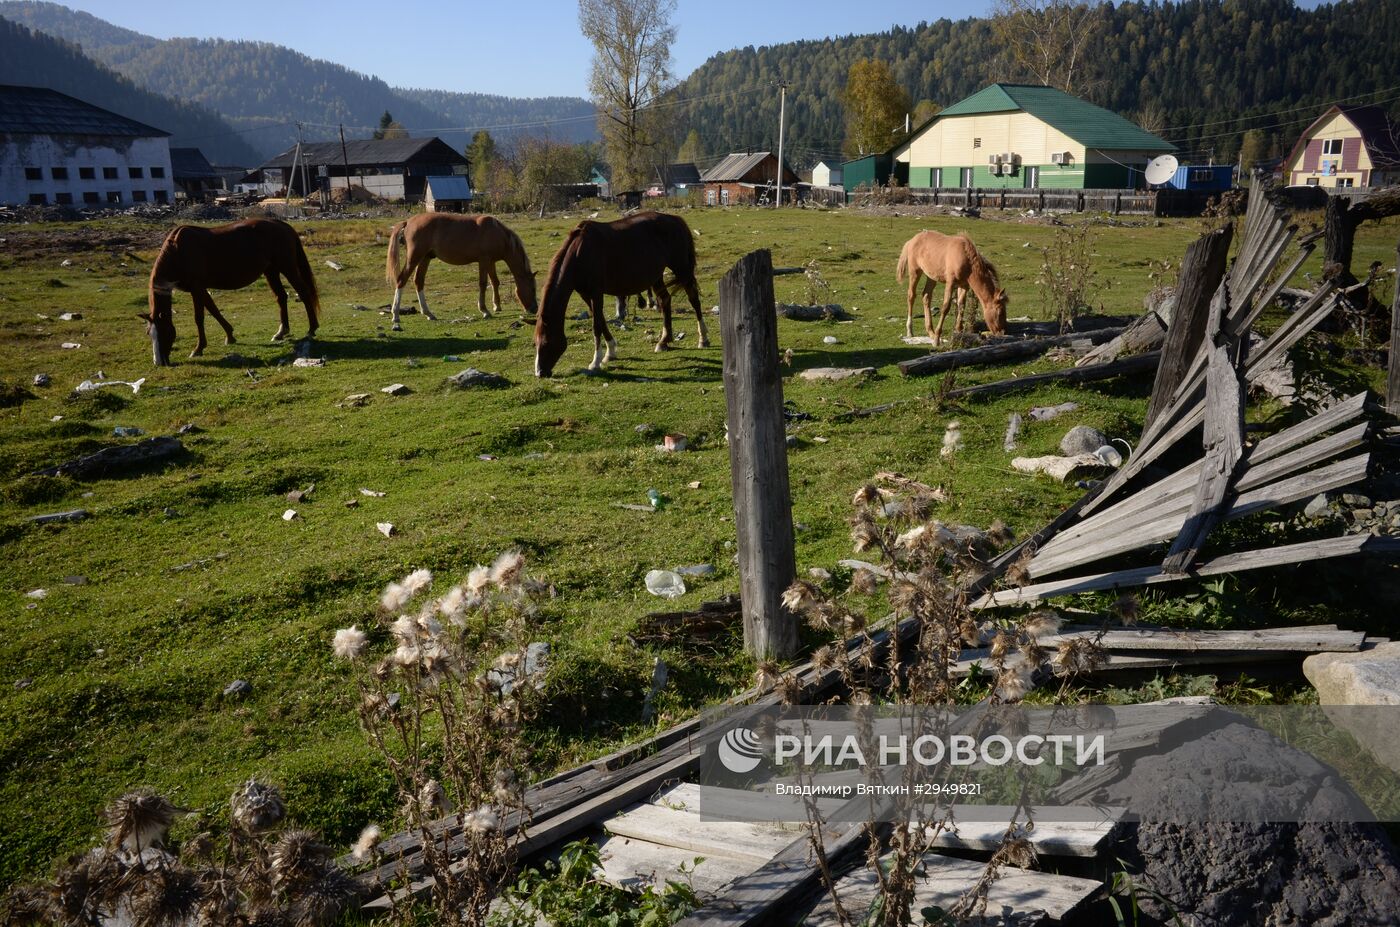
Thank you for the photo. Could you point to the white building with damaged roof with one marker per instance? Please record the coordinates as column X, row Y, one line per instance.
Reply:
column 58, row 150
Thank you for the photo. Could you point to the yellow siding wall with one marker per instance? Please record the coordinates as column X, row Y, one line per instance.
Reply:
column 1338, row 126
column 949, row 142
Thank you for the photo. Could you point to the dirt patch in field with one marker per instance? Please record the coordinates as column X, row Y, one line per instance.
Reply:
column 39, row 243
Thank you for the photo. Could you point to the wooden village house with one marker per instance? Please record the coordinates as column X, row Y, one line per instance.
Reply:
column 1024, row 136
column 391, row 168
column 1347, row 146
column 450, row 193
column 747, row 178
column 59, row 150
column 195, row 178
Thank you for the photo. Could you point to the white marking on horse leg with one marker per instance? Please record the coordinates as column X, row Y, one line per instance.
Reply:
column 394, row 309
column 704, row 333
column 597, row 361
column 423, row 307
column 611, row 353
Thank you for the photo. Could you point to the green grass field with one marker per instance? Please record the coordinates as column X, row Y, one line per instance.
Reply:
column 117, row 682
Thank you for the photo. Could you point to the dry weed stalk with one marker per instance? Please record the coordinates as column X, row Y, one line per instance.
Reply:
column 258, row 875
column 929, row 563
column 445, row 709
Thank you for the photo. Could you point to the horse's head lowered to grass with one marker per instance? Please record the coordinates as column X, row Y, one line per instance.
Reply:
column 160, row 323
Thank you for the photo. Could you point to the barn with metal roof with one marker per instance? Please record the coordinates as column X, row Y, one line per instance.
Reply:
column 745, row 177
column 56, row 149
column 1023, row 135
column 393, row 168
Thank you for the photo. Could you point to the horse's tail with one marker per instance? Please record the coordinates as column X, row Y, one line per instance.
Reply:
column 310, row 296
column 902, row 268
column 391, row 263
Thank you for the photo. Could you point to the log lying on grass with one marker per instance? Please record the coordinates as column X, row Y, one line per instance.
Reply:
column 1141, row 363
column 709, row 620
column 1146, row 334
column 1000, row 352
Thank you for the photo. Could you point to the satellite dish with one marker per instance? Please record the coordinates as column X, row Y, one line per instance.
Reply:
column 1160, row 169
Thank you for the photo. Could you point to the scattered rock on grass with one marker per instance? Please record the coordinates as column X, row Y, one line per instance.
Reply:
column 1045, row 413
column 396, row 389
column 1081, row 439
column 385, row 528
column 836, row 373
column 1061, row 468
column 73, row 515
column 239, row 688
column 472, row 377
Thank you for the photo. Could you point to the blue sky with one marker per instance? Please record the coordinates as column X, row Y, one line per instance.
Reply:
column 520, row 48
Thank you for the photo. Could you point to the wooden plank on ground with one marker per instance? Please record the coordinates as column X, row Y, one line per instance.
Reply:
column 1000, row 353
column 1285, row 555
column 635, row 864
column 1140, row 363
column 946, row 879
column 683, row 829
column 1392, row 383
column 1050, row 837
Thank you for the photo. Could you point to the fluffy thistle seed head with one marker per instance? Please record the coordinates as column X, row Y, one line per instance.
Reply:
column 1014, row 682
column 433, row 799
column 397, row 595
column 801, row 596
column 321, row 902
column 865, row 582
column 866, row 496
column 349, row 643
column 1042, row 622
column 165, row 896
column 138, row 820
column 508, row 570
column 368, row 840
column 1128, row 608
column 478, row 579
column 481, row 821
column 257, row 806
column 864, row 533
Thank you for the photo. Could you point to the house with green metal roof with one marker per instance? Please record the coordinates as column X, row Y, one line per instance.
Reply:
column 1022, row 135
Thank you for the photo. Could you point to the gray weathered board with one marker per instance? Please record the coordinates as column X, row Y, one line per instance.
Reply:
column 945, row 880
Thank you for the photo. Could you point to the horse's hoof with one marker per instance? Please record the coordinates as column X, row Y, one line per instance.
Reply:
column 280, row 336
column 663, row 346
column 704, row 342
column 230, row 340
column 197, row 352
column 396, row 327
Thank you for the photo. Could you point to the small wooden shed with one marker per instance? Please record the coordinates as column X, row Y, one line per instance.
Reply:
column 452, row 193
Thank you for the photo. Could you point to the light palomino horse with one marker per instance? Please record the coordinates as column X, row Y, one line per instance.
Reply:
column 458, row 239
column 954, row 262
column 229, row 257
column 621, row 258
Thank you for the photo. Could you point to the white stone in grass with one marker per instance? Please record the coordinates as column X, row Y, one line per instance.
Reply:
column 289, row 515
column 385, row 528
column 370, row 492
column 396, row 389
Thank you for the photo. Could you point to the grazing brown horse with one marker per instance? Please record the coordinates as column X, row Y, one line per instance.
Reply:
column 458, row 239
column 954, row 262
column 619, row 258
column 229, row 257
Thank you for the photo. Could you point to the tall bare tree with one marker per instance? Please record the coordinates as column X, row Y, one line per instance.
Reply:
column 1049, row 40
column 631, row 70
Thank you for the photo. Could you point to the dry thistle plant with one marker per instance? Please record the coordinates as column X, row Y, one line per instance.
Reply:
column 259, row 876
column 445, row 709
column 929, row 564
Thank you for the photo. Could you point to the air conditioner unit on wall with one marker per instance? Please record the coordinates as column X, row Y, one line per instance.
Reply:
column 1015, row 159
column 996, row 169
column 993, row 159
column 1057, row 158
column 1067, row 157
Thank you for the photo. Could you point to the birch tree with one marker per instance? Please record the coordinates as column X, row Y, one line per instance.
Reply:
column 1049, row 39
column 631, row 70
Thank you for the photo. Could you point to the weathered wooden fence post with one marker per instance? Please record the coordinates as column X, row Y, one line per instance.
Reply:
column 753, row 394
column 1202, row 269
column 1392, row 391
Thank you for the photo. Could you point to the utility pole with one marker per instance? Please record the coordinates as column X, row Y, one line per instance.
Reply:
column 345, row 159
column 782, row 113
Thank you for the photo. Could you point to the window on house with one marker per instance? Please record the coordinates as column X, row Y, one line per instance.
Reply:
column 157, row 172
column 135, row 173
column 114, row 196
column 965, row 180
column 1346, row 182
column 138, row 196
column 38, row 199
column 91, row 197
column 33, row 173
column 59, row 173
column 1312, row 181
column 161, row 196
column 109, row 173
column 87, row 173
column 1331, row 146
column 63, row 199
